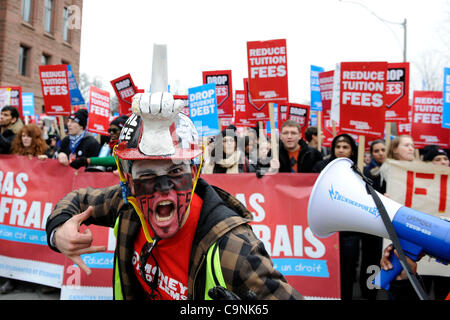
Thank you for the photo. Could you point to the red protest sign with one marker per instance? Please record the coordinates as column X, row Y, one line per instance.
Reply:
column 362, row 98
column 224, row 91
column 426, row 126
column 255, row 113
column 293, row 111
column 125, row 90
column 241, row 117
column 404, row 127
column 267, row 73
column 397, row 92
column 326, row 90
column 55, row 89
column 98, row 111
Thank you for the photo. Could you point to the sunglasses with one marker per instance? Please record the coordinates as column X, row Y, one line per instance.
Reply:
column 113, row 130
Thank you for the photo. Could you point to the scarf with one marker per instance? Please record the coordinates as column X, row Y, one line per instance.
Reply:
column 74, row 141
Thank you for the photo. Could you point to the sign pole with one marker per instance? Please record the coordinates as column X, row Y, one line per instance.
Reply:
column 361, row 147
column 273, row 135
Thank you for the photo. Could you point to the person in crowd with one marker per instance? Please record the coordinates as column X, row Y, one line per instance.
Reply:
column 312, row 139
column 294, row 153
column 226, row 157
column 78, row 143
column 266, row 164
column 174, row 225
column 105, row 158
column 401, row 148
column 371, row 246
column 10, row 124
column 437, row 156
column 344, row 146
column 30, row 142
column 367, row 158
column 53, row 143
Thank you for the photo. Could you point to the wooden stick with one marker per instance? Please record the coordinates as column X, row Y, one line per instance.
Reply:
column 273, row 136
column 61, row 127
column 319, row 131
column 361, row 147
column 388, row 134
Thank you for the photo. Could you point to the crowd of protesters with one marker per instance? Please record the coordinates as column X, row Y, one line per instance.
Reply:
column 235, row 151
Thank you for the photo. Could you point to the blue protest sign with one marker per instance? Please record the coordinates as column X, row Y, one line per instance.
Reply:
column 446, row 100
column 28, row 103
column 76, row 97
column 203, row 109
column 316, row 100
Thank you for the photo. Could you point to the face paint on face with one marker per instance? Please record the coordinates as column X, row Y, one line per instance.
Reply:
column 164, row 199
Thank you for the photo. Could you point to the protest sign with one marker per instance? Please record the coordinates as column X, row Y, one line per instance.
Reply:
column 446, row 102
column 125, row 90
column 55, row 89
column 404, row 127
column 326, row 83
column 424, row 187
column 299, row 113
column 11, row 96
column 28, row 104
column 316, row 100
column 426, row 127
column 98, row 121
column 267, row 74
column 241, row 116
column 255, row 113
column 76, row 98
column 224, row 91
column 397, row 92
column 203, row 109
column 362, row 93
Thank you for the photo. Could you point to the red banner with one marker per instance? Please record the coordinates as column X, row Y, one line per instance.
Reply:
column 55, row 89
column 426, row 126
column 255, row 113
column 267, row 73
column 224, row 91
column 397, row 92
column 125, row 90
column 28, row 195
column 98, row 111
column 362, row 109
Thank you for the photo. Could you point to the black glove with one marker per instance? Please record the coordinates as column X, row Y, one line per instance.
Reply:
column 220, row 293
column 79, row 162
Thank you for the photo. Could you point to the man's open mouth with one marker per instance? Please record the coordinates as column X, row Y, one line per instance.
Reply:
column 164, row 210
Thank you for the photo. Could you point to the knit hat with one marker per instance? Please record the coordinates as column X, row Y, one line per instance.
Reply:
column 434, row 152
column 119, row 121
column 80, row 117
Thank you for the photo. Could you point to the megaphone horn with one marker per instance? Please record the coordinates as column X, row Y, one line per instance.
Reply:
column 339, row 201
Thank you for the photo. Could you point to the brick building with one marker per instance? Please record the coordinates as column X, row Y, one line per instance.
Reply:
column 36, row 32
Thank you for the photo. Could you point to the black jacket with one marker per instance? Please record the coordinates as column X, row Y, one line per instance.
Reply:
column 319, row 166
column 6, row 139
column 307, row 158
column 89, row 147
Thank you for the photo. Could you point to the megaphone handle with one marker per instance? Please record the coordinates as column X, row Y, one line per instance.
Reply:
column 384, row 277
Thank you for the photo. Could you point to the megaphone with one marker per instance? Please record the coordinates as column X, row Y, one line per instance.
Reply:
column 339, row 201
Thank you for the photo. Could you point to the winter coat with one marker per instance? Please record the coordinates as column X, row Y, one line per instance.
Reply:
column 89, row 147
column 307, row 158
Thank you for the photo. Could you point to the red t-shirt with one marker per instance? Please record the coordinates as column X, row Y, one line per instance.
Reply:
column 294, row 155
column 172, row 256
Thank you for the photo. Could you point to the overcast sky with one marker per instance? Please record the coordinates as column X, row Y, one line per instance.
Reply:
column 203, row 35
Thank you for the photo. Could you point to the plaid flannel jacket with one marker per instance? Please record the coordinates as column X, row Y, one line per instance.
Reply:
column 245, row 263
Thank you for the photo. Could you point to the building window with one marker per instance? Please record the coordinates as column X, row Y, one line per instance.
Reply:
column 23, row 60
column 66, row 25
column 26, row 10
column 45, row 59
column 48, row 7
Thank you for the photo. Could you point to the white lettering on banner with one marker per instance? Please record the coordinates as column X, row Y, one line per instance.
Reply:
column 363, row 75
column 282, row 243
column 218, row 80
column 8, row 187
column 20, row 213
column 99, row 110
column 431, row 118
column 395, row 74
column 125, row 83
column 55, row 91
column 268, row 72
column 365, row 99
